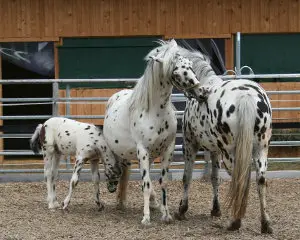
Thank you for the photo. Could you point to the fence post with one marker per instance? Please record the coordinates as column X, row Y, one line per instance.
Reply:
column 1, row 114
column 238, row 54
column 55, row 95
column 68, row 113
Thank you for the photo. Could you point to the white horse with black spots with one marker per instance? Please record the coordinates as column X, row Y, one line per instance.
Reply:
column 233, row 123
column 141, row 123
column 61, row 137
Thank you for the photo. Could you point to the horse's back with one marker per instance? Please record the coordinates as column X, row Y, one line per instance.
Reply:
column 70, row 136
column 218, row 119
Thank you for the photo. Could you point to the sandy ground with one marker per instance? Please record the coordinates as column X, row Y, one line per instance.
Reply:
column 24, row 213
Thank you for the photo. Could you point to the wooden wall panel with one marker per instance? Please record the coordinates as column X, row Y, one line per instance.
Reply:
column 285, row 100
column 87, row 109
column 46, row 19
column 274, row 16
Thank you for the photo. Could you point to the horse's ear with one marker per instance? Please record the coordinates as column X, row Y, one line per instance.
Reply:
column 173, row 42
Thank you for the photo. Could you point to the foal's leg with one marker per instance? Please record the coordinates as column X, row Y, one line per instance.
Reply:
column 123, row 184
column 165, row 162
column 215, row 181
column 74, row 180
column 96, row 180
column 189, row 153
column 51, row 161
column 261, row 168
column 143, row 157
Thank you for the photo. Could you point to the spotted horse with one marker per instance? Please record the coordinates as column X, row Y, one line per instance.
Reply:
column 61, row 137
column 234, row 123
column 141, row 123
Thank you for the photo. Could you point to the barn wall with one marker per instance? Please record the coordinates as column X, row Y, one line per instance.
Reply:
column 50, row 19
column 277, row 101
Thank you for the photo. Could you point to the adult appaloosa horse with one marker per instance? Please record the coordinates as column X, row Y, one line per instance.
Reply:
column 141, row 123
column 235, row 123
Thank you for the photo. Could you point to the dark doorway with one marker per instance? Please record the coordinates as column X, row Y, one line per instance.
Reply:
column 11, row 70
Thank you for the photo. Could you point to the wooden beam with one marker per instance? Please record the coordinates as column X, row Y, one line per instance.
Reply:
column 61, row 107
column 229, row 53
column 198, row 36
column 29, row 39
column 56, row 59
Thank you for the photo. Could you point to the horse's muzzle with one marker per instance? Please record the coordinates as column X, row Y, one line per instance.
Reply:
column 112, row 186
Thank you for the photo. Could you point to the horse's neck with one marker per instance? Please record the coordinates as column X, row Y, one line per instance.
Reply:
column 161, row 95
column 151, row 98
column 210, row 79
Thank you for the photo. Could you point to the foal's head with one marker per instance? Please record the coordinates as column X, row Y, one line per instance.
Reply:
column 113, row 171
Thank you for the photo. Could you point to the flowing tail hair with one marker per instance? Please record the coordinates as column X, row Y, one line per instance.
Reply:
column 237, row 198
column 35, row 143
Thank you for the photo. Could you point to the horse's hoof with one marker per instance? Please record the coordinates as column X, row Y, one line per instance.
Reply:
column 167, row 219
column 266, row 228
column 100, row 206
column 235, row 225
column 121, row 207
column 146, row 221
column 154, row 206
column 64, row 206
column 215, row 213
column 53, row 205
column 180, row 216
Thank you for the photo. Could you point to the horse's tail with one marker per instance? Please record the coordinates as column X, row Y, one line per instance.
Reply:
column 35, row 143
column 240, row 183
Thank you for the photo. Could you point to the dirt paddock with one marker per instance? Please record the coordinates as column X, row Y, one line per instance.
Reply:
column 24, row 213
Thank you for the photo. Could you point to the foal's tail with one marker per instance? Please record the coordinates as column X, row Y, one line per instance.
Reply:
column 35, row 144
column 240, row 183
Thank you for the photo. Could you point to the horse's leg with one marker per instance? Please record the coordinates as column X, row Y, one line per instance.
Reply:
column 261, row 168
column 165, row 162
column 207, row 168
column 96, row 181
column 123, row 184
column 51, row 161
column 189, row 153
column 153, row 199
column 215, row 181
column 74, row 180
column 143, row 157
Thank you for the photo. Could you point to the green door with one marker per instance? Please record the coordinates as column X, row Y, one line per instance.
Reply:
column 103, row 58
column 271, row 53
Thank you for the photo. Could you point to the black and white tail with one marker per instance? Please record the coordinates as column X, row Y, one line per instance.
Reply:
column 240, row 183
column 35, row 144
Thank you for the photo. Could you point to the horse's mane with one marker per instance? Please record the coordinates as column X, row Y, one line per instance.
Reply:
column 201, row 62
column 146, row 91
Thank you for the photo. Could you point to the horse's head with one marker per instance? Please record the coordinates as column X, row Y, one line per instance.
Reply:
column 113, row 171
column 112, row 181
column 183, row 77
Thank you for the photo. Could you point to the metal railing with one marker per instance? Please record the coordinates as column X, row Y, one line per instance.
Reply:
column 55, row 100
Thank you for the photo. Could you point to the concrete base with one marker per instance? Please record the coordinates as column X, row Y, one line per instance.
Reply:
column 37, row 177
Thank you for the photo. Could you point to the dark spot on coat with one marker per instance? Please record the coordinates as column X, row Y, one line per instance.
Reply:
column 230, row 110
